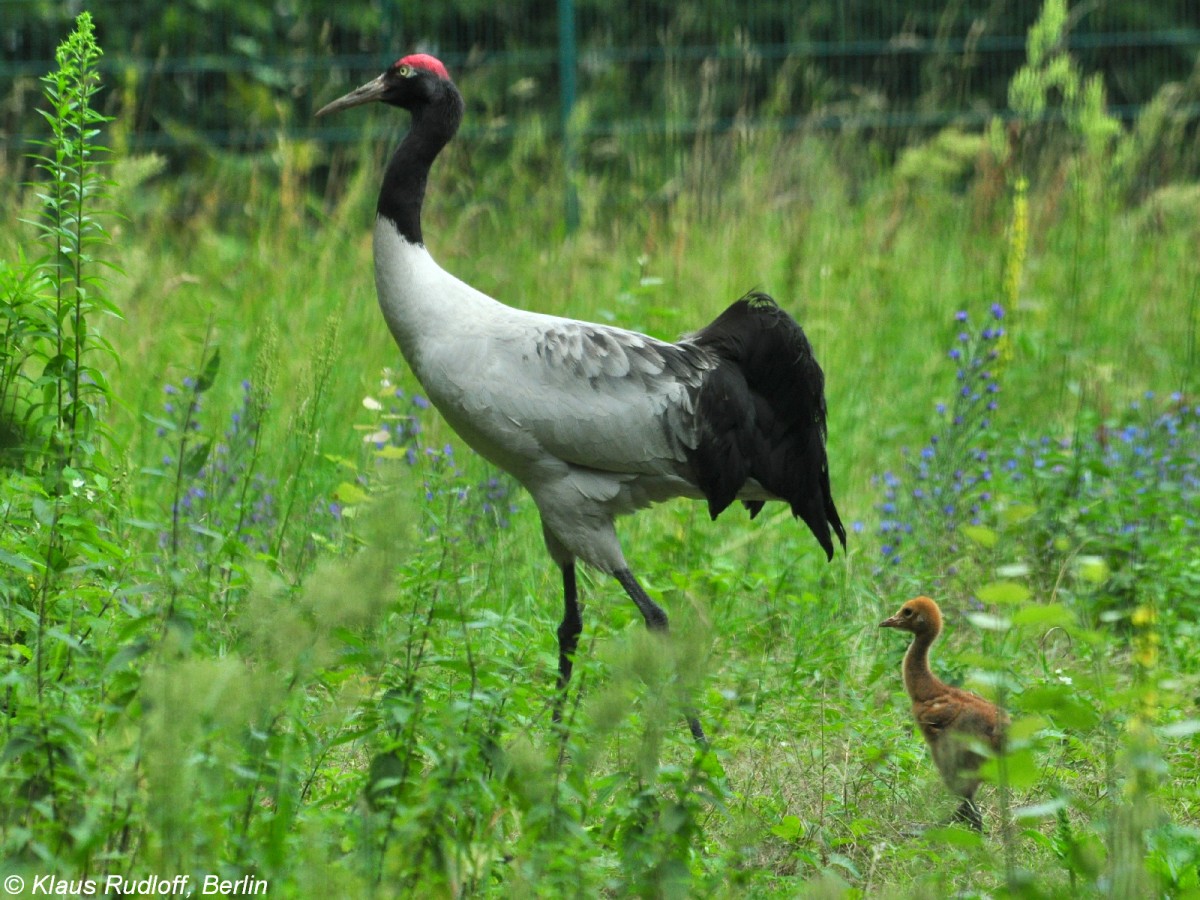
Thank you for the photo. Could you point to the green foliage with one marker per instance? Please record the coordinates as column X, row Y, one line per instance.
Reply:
column 64, row 555
column 50, row 390
column 946, row 162
column 263, row 615
column 1051, row 82
column 72, row 231
column 1074, row 543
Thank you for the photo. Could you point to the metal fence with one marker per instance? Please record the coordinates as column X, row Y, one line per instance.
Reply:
column 239, row 73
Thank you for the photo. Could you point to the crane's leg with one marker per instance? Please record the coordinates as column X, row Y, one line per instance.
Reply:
column 968, row 813
column 656, row 620
column 568, row 636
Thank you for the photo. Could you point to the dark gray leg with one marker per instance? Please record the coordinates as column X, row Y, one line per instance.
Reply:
column 968, row 813
column 568, row 636
column 656, row 620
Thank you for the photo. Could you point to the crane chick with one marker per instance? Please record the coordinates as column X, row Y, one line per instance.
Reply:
column 952, row 720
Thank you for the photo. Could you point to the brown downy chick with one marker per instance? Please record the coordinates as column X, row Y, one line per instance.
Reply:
column 951, row 719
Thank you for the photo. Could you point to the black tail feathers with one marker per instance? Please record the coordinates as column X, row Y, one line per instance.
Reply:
column 762, row 416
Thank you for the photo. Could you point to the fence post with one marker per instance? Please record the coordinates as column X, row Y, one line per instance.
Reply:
column 566, row 85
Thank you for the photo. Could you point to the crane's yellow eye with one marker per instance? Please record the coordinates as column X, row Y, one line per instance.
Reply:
column 405, row 71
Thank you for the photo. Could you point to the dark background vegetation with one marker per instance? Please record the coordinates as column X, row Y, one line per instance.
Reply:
column 232, row 72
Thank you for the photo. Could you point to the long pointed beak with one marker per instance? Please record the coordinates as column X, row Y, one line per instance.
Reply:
column 890, row 622
column 372, row 90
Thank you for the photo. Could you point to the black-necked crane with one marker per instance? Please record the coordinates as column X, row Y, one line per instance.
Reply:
column 594, row 421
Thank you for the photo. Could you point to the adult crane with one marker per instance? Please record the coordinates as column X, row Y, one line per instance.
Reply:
column 594, row 421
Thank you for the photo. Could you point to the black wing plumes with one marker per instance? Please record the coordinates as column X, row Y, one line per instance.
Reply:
column 761, row 415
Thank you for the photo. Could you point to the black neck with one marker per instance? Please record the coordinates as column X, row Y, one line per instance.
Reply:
column 403, row 191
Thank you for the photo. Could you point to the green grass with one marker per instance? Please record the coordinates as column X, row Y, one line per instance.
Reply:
column 362, row 706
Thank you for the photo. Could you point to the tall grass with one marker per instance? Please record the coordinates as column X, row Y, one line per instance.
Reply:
column 265, row 616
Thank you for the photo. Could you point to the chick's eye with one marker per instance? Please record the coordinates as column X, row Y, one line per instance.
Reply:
column 907, row 613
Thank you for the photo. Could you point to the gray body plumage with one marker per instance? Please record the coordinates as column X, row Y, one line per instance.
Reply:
column 594, row 421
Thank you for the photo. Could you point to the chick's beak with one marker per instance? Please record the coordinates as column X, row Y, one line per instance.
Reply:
column 890, row 622
column 372, row 90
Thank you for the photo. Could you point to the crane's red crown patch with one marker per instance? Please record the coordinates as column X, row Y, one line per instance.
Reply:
column 426, row 62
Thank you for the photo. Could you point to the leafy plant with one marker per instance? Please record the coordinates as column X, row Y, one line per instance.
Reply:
column 60, row 543
column 71, row 227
